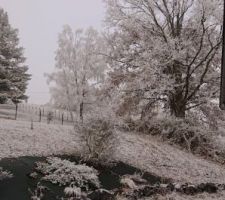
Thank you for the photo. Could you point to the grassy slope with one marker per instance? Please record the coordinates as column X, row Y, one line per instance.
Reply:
column 176, row 196
column 17, row 139
column 204, row 196
column 145, row 152
column 167, row 161
column 164, row 160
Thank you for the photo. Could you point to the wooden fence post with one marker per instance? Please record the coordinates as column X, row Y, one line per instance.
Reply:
column 32, row 124
column 62, row 118
column 39, row 114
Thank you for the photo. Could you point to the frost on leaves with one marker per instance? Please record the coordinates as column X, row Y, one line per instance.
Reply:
column 65, row 172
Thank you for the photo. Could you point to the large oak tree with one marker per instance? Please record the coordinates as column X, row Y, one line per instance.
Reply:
column 165, row 51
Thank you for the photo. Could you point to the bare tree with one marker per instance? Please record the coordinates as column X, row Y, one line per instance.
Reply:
column 79, row 69
column 165, row 51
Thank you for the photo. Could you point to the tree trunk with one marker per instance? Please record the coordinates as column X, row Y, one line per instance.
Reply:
column 176, row 100
column 82, row 107
column 81, row 111
column 16, row 111
column 62, row 118
column 177, row 106
column 39, row 115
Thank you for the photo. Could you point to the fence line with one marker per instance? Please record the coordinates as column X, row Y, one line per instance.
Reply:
column 44, row 113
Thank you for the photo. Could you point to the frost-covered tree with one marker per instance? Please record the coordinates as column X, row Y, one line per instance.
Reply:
column 79, row 69
column 165, row 51
column 13, row 72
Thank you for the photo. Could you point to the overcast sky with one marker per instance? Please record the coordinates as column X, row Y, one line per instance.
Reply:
column 39, row 23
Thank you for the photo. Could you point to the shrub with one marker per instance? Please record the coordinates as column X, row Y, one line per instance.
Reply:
column 64, row 172
column 5, row 174
column 183, row 132
column 50, row 116
column 97, row 135
column 38, row 193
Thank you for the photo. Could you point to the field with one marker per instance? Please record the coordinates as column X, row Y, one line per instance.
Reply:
column 142, row 151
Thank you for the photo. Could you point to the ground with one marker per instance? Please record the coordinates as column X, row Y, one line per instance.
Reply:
column 149, row 154
column 142, row 151
column 17, row 139
column 204, row 196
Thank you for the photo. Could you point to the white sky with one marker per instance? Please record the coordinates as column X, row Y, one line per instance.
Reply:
column 39, row 23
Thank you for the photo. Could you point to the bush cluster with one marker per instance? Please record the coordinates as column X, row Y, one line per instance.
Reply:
column 97, row 135
column 186, row 133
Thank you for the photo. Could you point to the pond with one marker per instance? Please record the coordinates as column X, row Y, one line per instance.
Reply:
column 20, row 186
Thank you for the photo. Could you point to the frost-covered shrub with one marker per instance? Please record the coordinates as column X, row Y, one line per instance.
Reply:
column 65, row 172
column 97, row 135
column 132, row 181
column 73, row 191
column 50, row 116
column 219, row 148
column 38, row 193
column 5, row 174
column 184, row 132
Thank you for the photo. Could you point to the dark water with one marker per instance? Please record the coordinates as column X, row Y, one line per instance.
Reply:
column 19, row 187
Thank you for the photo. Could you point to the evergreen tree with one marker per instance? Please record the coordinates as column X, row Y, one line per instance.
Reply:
column 13, row 72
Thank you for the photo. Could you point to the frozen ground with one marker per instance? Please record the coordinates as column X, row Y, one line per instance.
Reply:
column 17, row 139
column 204, row 196
column 175, row 196
column 145, row 152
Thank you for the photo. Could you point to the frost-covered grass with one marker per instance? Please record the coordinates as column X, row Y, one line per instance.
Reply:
column 176, row 196
column 17, row 139
column 142, row 151
column 8, row 112
column 162, row 159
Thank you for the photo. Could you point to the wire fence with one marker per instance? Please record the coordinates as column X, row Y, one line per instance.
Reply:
column 37, row 113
